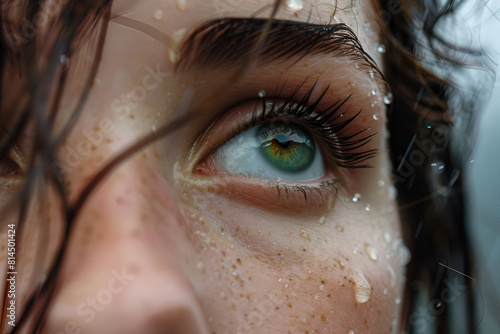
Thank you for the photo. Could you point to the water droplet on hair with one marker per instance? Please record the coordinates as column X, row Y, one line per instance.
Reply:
column 380, row 48
column 182, row 5
column 356, row 198
column 295, row 5
column 262, row 93
column 367, row 208
column 322, row 220
column 388, row 98
column 438, row 167
column 158, row 15
column 362, row 289
column 371, row 252
column 339, row 228
column 375, row 117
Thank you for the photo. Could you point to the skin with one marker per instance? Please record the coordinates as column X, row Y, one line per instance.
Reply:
column 160, row 249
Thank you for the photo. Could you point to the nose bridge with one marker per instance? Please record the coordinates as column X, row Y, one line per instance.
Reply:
column 122, row 273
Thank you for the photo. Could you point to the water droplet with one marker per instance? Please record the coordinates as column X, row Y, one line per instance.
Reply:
column 357, row 66
column 398, row 301
column 374, row 92
column 372, row 74
column 295, row 5
column 158, row 15
column 279, row 280
column 316, row 297
column 438, row 167
column 367, row 208
column 322, row 220
column 356, row 198
column 387, row 237
column 392, row 275
column 342, row 265
column 375, row 117
column 392, row 192
column 63, row 59
column 385, row 291
column 472, row 161
column 322, row 287
column 438, row 305
column 285, row 285
column 362, row 289
column 388, row 98
column 200, row 267
column 380, row 48
column 304, row 234
column 380, row 183
column 371, row 252
column 351, row 332
column 355, row 250
column 182, row 5
column 339, row 228
column 403, row 253
column 262, row 93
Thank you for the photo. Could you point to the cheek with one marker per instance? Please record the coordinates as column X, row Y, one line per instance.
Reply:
column 263, row 271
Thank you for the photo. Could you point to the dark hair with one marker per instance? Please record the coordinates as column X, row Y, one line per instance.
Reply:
column 37, row 44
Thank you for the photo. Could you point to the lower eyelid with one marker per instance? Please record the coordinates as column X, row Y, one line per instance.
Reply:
column 277, row 196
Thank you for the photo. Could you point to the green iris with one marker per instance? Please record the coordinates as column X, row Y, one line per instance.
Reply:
column 287, row 147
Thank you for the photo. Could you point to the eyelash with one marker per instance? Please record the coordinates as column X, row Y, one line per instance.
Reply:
column 326, row 123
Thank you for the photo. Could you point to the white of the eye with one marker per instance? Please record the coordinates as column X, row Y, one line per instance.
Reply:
column 240, row 155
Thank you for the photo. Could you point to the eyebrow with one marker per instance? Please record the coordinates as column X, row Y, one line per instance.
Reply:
column 232, row 41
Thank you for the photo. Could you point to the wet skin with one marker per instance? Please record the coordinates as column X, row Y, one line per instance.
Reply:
column 169, row 243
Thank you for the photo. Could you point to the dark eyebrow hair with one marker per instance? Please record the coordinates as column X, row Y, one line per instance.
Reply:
column 232, row 41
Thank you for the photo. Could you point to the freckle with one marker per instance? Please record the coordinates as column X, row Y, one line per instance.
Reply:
column 323, row 318
column 289, row 304
column 158, row 15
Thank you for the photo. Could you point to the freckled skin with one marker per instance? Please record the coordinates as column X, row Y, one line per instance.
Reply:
column 200, row 257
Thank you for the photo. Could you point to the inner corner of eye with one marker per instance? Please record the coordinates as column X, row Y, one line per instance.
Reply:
column 206, row 166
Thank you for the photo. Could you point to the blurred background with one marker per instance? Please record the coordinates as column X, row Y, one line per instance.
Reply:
column 483, row 172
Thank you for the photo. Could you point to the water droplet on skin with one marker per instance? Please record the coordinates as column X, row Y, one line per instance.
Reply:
column 388, row 98
column 375, row 117
column 398, row 301
column 295, row 5
column 158, row 15
column 362, row 289
column 342, row 265
column 392, row 275
column 316, row 297
column 374, row 92
column 380, row 48
column 304, row 234
column 385, row 291
column 392, row 192
column 371, row 252
column 351, row 332
column 285, row 285
column 262, row 93
column 380, row 183
column 367, row 208
column 339, row 228
column 356, row 198
column 200, row 267
column 182, row 5
column 357, row 66
column 403, row 253
column 279, row 280
column 387, row 237
column 173, row 56
column 322, row 220
column 355, row 250
column 472, row 161
column 322, row 287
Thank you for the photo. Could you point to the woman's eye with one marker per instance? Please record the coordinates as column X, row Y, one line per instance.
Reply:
column 273, row 150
